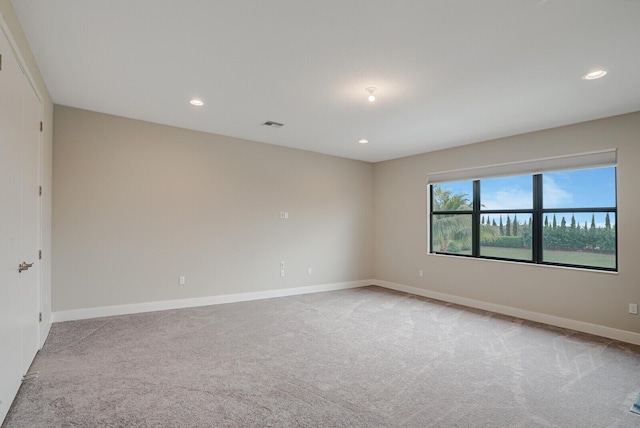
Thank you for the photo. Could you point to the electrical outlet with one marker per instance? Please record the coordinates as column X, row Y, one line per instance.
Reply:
column 633, row 308
column 421, row 274
column 182, row 280
column 310, row 271
column 281, row 272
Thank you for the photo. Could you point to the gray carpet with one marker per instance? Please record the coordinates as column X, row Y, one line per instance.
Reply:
column 365, row 357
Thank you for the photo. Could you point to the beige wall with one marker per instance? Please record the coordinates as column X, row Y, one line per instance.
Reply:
column 136, row 205
column 8, row 13
column 591, row 297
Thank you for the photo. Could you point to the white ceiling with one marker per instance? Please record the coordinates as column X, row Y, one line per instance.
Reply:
column 448, row 72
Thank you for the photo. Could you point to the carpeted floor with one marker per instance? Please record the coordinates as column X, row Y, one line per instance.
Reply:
column 366, row 357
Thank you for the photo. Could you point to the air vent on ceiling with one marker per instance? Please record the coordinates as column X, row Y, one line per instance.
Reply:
column 273, row 124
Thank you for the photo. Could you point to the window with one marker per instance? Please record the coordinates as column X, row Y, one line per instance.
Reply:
column 452, row 217
column 566, row 218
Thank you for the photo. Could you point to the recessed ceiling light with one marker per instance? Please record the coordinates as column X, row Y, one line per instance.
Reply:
column 363, row 141
column 196, row 102
column 597, row 74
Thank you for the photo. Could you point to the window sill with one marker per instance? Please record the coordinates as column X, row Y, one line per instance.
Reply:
column 513, row 262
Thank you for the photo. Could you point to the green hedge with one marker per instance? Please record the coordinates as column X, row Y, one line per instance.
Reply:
column 454, row 247
column 505, row 241
column 598, row 240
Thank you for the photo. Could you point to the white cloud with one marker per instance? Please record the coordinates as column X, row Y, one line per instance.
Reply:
column 516, row 198
column 554, row 195
column 508, row 199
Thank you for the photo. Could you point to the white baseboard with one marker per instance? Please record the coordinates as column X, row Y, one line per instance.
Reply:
column 584, row 327
column 106, row 311
column 135, row 308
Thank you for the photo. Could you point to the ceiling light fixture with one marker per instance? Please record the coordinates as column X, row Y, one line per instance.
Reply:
column 363, row 141
column 371, row 90
column 196, row 102
column 598, row 74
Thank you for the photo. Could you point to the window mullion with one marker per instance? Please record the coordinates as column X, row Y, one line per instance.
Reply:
column 430, row 243
column 537, row 219
column 475, row 220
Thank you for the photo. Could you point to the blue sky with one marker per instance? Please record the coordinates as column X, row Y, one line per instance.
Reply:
column 568, row 189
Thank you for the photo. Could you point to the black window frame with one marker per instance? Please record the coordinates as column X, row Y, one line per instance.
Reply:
column 537, row 214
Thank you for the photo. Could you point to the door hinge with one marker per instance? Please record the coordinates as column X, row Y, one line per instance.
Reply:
column 41, row 126
column 39, row 254
column 0, row 62
column 40, row 191
column 40, row 317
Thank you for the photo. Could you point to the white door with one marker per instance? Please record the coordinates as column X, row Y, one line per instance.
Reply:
column 19, row 218
column 30, row 234
column 10, row 224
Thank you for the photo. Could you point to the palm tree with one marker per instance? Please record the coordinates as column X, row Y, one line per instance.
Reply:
column 455, row 227
column 447, row 227
column 443, row 200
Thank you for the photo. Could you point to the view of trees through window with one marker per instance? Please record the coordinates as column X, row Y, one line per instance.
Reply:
column 572, row 222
